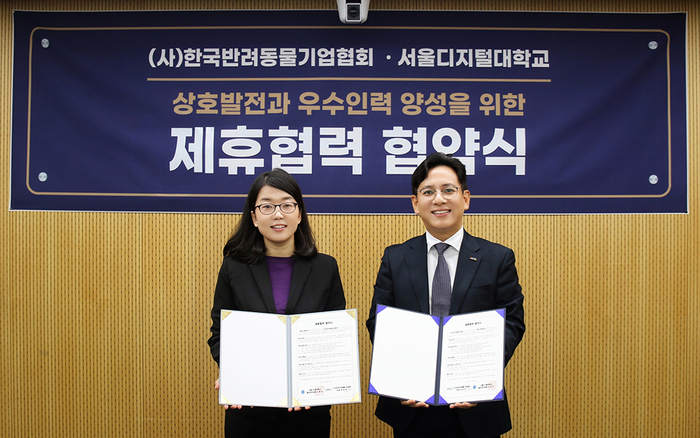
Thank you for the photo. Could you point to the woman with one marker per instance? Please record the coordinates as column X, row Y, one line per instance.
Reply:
column 271, row 264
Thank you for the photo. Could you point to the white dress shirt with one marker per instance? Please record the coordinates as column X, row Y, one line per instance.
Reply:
column 451, row 255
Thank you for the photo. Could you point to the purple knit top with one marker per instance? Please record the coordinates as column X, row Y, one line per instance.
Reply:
column 280, row 269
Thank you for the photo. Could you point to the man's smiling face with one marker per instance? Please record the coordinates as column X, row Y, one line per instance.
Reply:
column 441, row 212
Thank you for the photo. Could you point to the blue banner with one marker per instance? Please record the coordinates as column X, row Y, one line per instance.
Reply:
column 179, row 111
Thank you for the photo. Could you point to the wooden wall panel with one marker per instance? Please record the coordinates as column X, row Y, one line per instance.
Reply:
column 616, row 327
column 692, row 397
column 8, row 372
column 104, row 317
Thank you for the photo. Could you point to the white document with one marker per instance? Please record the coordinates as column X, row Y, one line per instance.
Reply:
column 253, row 359
column 286, row 361
column 404, row 354
column 472, row 357
column 456, row 358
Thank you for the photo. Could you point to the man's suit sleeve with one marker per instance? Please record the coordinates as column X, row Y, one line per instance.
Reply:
column 509, row 296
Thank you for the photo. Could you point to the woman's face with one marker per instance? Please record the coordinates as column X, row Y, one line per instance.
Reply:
column 277, row 228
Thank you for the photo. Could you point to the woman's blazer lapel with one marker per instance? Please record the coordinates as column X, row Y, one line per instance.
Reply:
column 300, row 275
column 262, row 280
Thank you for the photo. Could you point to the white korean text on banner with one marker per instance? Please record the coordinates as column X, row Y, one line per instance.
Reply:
column 179, row 111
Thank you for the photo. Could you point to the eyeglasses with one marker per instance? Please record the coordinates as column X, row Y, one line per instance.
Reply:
column 446, row 192
column 285, row 207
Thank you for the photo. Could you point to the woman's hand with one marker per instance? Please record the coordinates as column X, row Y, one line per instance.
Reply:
column 216, row 387
column 414, row 404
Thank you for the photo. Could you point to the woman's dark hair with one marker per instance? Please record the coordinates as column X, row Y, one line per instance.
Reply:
column 434, row 160
column 246, row 244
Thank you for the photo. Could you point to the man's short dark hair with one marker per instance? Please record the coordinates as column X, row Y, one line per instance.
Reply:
column 434, row 160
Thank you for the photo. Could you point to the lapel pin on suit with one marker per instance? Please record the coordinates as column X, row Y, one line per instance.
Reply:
column 472, row 259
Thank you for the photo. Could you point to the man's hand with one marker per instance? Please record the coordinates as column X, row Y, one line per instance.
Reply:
column 463, row 405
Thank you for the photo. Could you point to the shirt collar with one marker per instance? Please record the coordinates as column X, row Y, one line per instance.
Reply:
column 455, row 241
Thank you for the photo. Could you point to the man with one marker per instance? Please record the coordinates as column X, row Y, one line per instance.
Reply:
column 482, row 276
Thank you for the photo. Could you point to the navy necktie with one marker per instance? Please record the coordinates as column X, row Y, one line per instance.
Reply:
column 442, row 287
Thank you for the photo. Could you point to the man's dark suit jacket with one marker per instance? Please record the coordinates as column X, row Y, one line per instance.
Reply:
column 485, row 279
column 315, row 287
